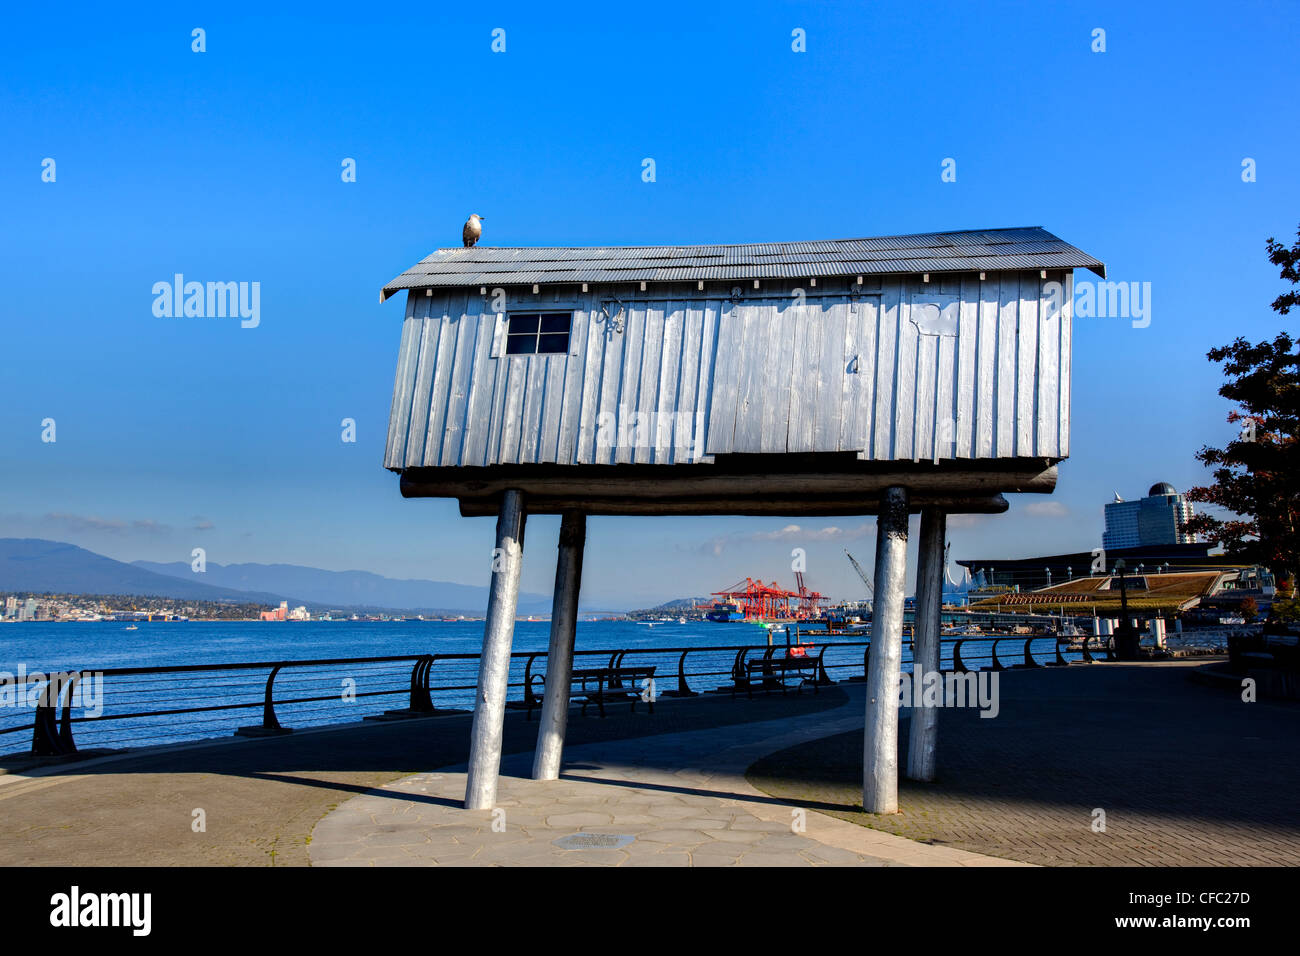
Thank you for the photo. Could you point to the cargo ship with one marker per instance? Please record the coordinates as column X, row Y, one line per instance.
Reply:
column 723, row 612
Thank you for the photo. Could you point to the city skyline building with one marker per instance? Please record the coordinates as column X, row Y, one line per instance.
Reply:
column 1158, row 519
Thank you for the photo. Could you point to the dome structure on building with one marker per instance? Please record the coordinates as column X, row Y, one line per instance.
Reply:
column 1161, row 488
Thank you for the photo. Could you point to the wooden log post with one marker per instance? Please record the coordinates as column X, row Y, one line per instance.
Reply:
column 494, row 665
column 559, row 658
column 880, row 749
column 924, row 733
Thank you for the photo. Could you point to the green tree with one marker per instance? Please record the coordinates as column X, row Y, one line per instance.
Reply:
column 1257, row 476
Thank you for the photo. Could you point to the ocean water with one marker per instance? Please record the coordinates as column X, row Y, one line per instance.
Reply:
column 213, row 703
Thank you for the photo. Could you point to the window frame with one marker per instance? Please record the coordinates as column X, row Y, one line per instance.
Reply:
column 538, row 334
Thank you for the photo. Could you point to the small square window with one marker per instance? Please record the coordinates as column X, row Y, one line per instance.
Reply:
column 532, row 333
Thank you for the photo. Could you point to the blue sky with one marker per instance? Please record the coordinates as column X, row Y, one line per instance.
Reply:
column 225, row 165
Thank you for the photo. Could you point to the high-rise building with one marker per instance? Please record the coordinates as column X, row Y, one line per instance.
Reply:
column 1159, row 518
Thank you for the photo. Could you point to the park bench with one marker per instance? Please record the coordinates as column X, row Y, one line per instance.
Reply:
column 771, row 670
column 597, row 685
column 1280, row 651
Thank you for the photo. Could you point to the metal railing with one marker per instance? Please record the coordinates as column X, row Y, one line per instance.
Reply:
column 139, row 706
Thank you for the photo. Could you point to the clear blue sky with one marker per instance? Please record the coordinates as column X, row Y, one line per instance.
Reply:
column 224, row 165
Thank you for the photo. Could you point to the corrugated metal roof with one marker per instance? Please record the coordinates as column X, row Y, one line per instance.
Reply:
column 986, row 249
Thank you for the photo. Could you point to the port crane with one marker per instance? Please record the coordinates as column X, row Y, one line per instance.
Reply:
column 807, row 605
column 756, row 601
column 862, row 574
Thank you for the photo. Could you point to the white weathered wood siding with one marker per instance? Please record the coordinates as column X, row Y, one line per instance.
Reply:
column 956, row 368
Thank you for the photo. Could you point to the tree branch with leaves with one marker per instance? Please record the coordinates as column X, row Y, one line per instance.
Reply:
column 1256, row 478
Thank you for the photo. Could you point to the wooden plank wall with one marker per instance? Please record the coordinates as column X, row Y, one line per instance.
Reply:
column 694, row 374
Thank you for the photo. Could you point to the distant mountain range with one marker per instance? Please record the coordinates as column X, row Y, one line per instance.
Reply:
column 339, row 589
column 34, row 564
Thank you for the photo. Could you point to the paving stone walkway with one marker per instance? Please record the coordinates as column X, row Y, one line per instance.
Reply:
column 1178, row 773
column 670, row 800
column 262, row 796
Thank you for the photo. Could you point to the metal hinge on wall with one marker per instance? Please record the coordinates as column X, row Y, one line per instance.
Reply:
column 616, row 320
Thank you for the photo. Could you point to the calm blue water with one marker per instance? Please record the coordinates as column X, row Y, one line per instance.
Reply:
column 95, row 645
column 309, row 696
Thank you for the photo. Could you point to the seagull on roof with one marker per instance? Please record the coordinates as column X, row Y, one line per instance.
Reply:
column 473, row 229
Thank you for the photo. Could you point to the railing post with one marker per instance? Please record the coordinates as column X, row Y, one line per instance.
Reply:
column 769, row 677
column 997, row 664
column 45, row 734
column 739, row 674
column 269, row 720
column 420, row 700
column 683, row 688
column 819, row 673
column 959, row 665
column 68, row 745
column 50, row 737
column 530, row 700
column 822, row 676
column 270, row 726
column 615, row 662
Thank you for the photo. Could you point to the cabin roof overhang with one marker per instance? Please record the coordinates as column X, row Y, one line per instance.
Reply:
column 985, row 250
column 788, row 485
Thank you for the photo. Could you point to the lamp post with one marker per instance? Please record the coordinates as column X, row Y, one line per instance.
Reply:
column 1126, row 638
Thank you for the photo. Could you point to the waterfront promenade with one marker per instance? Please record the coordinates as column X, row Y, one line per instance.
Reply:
column 1187, row 774
column 677, row 799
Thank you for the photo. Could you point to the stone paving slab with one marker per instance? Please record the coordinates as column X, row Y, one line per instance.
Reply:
column 682, row 798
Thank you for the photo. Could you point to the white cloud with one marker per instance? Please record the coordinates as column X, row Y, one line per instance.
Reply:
column 80, row 524
column 966, row 520
column 791, row 532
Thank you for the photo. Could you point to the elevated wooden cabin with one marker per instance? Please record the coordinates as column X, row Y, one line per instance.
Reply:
column 884, row 376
